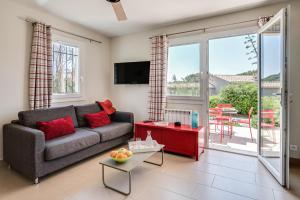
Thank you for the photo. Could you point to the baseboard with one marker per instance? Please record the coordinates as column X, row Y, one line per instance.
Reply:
column 295, row 161
column 2, row 163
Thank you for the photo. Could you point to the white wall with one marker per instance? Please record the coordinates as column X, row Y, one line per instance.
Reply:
column 136, row 47
column 294, row 72
column 15, row 46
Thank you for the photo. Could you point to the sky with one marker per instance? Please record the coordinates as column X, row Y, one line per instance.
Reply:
column 182, row 56
column 227, row 56
column 271, row 59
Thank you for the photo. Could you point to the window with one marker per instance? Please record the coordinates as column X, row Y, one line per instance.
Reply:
column 184, row 70
column 66, row 77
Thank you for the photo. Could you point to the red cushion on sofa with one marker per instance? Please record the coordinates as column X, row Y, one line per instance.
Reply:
column 97, row 119
column 57, row 128
column 107, row 107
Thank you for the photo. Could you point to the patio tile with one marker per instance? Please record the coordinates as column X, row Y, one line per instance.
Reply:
column 240, row 141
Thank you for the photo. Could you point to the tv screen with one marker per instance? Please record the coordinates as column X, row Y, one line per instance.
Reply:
column 132, row 72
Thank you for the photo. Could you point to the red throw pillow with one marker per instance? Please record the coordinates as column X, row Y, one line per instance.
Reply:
column 57, row 128
column 107, row 107
column 97, row 119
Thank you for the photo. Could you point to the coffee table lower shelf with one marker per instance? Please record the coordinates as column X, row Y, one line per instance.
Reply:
column 128, row 170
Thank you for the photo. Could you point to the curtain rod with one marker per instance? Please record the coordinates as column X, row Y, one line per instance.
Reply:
column 63, row 31
column 209, row 27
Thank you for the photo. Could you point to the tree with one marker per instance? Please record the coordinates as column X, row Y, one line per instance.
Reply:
column 192, row 78
column 174, row 78
column 249, row 73
column 251, row 46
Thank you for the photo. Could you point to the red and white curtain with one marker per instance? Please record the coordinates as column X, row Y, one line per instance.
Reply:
column 40, row 72
column 157, row 79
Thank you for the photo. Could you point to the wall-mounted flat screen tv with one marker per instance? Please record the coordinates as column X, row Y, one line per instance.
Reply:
column 132, row 72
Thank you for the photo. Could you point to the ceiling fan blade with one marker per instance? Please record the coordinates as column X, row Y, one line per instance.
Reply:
column 119, row 11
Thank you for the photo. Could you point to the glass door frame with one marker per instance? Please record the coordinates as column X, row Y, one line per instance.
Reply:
column 281, row 175
column 219, row 35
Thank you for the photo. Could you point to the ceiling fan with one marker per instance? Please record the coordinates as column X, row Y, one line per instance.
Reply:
column 118, row 8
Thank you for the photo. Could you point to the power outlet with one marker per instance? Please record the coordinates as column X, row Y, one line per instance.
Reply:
column 293, row 147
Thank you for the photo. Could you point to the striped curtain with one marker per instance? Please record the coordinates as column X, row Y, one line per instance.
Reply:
column 40, row 72
column 157, row 79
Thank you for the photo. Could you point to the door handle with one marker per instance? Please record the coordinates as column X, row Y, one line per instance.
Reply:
column 276, row 94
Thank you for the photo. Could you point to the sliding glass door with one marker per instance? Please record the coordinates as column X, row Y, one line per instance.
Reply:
column 233, row 90
column 273, row 96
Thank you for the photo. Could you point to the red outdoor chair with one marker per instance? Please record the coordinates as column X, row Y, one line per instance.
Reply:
column 268, row 121
column 216, row 118
column 224, row 105
column 246, row 121
column 225, row 118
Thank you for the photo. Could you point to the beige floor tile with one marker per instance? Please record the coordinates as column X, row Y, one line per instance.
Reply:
column 95, row 193
column 208, row 193
column 171, row 183
column 236, row 174
column 244, row 189
column 242, row 163
column 190, row 174
column 269, row 181
column 285, row 195
column 217, row 175
column 156, row 193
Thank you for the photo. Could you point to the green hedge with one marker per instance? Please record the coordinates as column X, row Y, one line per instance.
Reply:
column 242, row 96
column 214, row 101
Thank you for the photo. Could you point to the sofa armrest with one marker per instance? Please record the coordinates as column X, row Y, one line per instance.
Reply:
column 23, row 148
column 123, row 117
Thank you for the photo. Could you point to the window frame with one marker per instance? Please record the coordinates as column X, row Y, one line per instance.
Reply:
column 80, row 96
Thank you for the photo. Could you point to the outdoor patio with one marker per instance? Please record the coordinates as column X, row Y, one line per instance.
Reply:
column 240, row 141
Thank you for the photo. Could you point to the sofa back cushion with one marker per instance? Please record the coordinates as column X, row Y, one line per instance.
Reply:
column 31, row 117
column 86, row 109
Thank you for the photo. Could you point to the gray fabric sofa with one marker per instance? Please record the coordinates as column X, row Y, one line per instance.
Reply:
column 27, row 152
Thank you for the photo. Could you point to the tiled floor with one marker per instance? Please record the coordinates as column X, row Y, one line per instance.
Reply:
column 217, row 175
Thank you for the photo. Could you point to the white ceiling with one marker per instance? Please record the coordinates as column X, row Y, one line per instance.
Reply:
column 142, row 14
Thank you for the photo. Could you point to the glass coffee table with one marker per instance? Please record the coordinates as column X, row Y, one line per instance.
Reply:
column 136, row 160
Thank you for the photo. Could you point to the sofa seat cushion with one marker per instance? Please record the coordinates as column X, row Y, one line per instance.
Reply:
column 69, row 144
column 113, row 130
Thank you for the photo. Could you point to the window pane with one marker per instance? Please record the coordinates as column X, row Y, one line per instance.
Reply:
column 183, row 70
column 65, row 69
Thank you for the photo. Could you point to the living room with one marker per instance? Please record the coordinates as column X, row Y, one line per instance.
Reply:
column 99, row 40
